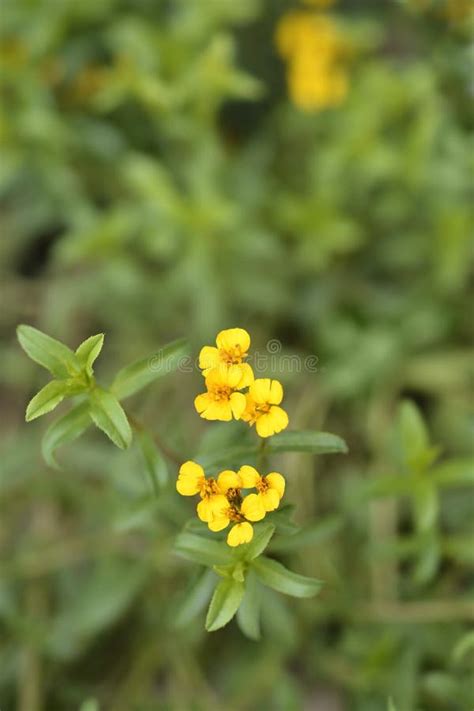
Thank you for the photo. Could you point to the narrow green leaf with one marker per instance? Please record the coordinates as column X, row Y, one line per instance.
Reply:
column 47, row 399
column 154, row 461
column 304, row 441
column 391, row 706
column 88, row 351
column 108, row 415
column 48, row 352
column 138, row 375
column 224, row 604
column 276, row 576
column 311, row 535
column 202, row 550
column 66, row 429
column 413, row 451
column 464, row 646
column 457, row 472
column 248, row 614
column 195, row 599
column 261, row 538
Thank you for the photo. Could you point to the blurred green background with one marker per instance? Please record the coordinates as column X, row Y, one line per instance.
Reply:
column 157, row 181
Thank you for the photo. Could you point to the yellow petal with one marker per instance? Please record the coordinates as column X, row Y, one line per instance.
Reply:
column 234, row 376
column 247, row 376
column 279, row 418
column 213, row 507
column 270, row 499
column 264, row 426
column 240, row 533
column 189, row 478
column 272, row 422
column 237, row 404
column 218, row 524
column 233, row 338
column 229, row 479
column 220, row 410
column 202, row 402
column 253, row 508
column 250, row 476
column 208, row 357
column 276, row 392
column 260, row 390
column 276, row 482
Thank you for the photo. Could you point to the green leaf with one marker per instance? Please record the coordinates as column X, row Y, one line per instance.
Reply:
column 202, row 550
column 391, row 706
column 138, row 375
column 311, row 535
column 457, row 472
column 276, row 576
column 89, row 350
column 464, row 646
column 304, row 441
column 51, row 354
column 108, row 415
column 154, row 461
column 195, row 599
column 261, row 538
column 224, row 604
column 425, row 505
column 66, row 429
column 248, row 614
column 47, row 399
column 412, row 440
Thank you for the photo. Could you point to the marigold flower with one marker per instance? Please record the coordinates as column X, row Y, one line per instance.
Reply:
column 232, row 349
column 222, row 401
column 262, row 409
column 270, row 487
column 240, row 513
column 192, row 480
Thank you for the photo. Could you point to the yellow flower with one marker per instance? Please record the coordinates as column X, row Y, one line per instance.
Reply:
column 232, row 349
column 250, row 509
column 222, row 401
column 313, row 47
column 262, row 409
column 270, row 487
column 192, row 480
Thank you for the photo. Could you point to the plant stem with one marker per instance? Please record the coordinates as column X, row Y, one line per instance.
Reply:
column 167, row 451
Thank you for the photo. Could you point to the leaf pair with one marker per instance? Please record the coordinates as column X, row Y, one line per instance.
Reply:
column 245, row 571
column 73, row 371
column 74, row 376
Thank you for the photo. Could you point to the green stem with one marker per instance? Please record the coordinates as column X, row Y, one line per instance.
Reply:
column 262, row 455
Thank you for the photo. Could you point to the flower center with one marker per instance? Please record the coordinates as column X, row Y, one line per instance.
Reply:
column 209, row 488
column 221, row 392
column 233, row 356
column 262, row 485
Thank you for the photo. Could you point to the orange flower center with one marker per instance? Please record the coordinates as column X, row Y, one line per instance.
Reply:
column 209, row 488
column 234, row 356
column 220, row 392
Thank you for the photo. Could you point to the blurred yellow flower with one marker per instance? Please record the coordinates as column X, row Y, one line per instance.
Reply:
column 313, row 47
column 222, row 401
column 262, row 407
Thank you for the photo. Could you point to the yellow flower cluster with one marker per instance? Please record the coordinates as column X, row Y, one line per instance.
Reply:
column 228, row 499
column 223, row 503
column 313, row 48
column 226, row 374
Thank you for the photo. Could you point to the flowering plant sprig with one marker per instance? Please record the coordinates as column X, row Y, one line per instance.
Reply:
column 238, row 500
column 242, row 504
